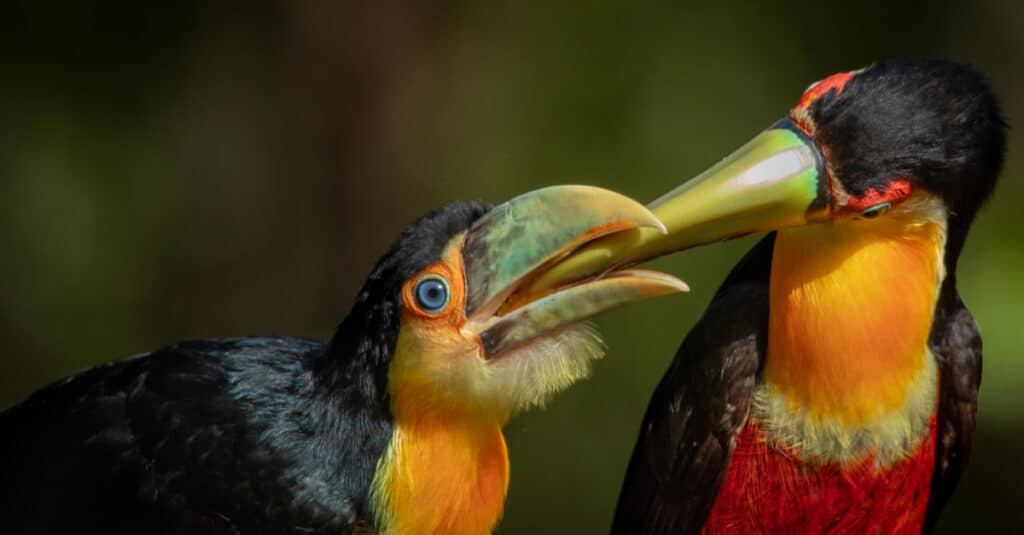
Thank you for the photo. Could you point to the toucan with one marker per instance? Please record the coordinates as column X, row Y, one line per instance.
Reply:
column 393, row 427
column 831, row 385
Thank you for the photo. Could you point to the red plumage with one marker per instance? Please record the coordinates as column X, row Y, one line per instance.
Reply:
column 769, row 490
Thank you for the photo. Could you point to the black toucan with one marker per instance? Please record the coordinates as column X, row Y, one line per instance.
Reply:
column 392, row 427
column 831, row 386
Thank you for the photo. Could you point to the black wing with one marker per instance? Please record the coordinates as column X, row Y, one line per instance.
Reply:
column 209, row 437
column 956, row 344
column 699, row 407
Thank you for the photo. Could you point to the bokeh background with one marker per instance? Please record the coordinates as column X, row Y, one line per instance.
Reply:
column 204, row 169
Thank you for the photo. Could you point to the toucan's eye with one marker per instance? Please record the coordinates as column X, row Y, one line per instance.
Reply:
column 876, row 210
column 431, row 293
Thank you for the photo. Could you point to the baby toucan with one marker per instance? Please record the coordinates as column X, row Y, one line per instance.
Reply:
column 394, row 426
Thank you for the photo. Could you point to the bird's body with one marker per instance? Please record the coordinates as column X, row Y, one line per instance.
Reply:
column 711, row 424
column 813, row 457
column 831, row 385
column 229, row 436
column 392, row 427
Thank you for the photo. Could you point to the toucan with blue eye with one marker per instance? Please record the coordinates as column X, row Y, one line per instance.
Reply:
column 831, row 385
column 394, row 426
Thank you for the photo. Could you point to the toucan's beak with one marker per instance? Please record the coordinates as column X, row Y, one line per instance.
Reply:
column 518, row 241
column 776, row 180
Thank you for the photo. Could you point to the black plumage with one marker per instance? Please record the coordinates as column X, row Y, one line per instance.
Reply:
column 956, row 344
column 245, row 435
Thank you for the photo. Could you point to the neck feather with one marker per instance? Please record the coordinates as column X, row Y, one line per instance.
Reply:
column 851, row 309
column 443, row 472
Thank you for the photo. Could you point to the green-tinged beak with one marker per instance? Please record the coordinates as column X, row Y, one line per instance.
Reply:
column 776, row 180
column 518, row 241
column 573, row 304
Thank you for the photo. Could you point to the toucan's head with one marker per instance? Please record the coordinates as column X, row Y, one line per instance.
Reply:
column 434, row 324
column 903, row 140
column 901, row 128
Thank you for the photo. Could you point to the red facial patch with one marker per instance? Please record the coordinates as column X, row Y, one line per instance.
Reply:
column 800, row 114
column 895, row 191
column 836, row 81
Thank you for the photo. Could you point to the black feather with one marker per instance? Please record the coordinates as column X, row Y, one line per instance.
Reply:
column 956, row 344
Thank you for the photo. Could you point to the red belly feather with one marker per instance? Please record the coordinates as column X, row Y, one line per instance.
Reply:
column 771, row 491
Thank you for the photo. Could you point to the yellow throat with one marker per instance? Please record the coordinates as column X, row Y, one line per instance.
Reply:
column 446, row 468
column 851, row 304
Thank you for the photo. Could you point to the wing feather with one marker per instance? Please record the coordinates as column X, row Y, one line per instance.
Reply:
column 699, row 408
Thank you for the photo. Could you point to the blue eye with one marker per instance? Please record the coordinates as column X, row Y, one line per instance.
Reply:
column 431, row 293
column 876, row 210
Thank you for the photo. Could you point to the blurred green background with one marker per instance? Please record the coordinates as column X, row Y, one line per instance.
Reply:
column 205, row 169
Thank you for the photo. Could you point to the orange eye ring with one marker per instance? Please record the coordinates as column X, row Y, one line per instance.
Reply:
column 438, row 291
column 434, row 292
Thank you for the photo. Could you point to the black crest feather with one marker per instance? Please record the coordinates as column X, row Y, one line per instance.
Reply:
column 932, row 121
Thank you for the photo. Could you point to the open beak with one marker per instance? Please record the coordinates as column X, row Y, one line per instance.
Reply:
column 517, row 242
column 776, row 180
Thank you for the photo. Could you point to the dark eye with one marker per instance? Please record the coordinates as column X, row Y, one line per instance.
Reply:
column 876, row 210
column 431, row 293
